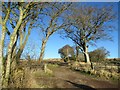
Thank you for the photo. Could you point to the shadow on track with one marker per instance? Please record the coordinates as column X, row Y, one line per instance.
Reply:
column 81, row 86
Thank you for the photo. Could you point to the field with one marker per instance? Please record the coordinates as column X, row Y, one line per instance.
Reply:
column 58, row 74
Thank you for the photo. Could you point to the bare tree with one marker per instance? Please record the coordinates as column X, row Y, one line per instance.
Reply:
column 30, row 22
column 89, row 24
column 18, row 15
column 53, row 13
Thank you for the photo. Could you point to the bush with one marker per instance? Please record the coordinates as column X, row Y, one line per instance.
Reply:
column 98, row 54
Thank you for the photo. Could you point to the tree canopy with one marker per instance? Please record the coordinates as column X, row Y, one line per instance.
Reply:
column 66, row 51
column 88, row 25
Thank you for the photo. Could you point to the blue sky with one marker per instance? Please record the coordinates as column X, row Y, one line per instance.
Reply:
column 55, row 42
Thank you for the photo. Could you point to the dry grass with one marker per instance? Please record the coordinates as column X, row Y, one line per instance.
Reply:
column 24, row 77
column 100, row 70
column 43, row 74
column 17, row 78
column 31, row 78
column 52, row 66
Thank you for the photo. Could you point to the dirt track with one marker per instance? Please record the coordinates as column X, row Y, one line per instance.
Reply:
column 66, row 78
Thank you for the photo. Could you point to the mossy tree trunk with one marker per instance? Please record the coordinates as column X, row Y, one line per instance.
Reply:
column 12, row 41
column 3, row 34
column 1, row 56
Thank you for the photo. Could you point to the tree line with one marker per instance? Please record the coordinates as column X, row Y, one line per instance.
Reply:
column 84, row 25
column 69, row 53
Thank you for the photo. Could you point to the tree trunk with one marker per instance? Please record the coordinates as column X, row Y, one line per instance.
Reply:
column 1, row 65
column 19, row 53
column 3, row 34
column 43, row 49
column 9, row 61
column 21, row 48
column 87, row 59
column 1, row 56
column 10, row 46
column 14, row 47
column 67, row 56
column 23, row 42
column 77, row 53
column 86, row 55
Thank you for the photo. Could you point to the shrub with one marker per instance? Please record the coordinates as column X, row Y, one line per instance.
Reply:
column 98, row 54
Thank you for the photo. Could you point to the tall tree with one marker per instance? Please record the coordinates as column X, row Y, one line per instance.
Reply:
column 89, row 24
column 53, row 13
column 18, row 15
